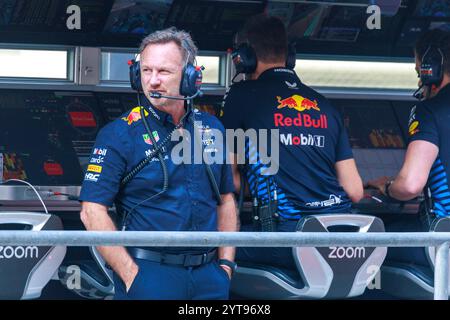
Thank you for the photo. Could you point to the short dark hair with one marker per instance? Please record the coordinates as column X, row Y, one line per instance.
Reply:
column 438, row 38
column 268, row 37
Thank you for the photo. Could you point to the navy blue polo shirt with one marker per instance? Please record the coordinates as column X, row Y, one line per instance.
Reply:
column 189, row 204
column 312, row 138
column 429, row 121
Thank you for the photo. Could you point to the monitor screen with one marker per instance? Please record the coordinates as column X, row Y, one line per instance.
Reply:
column 341, row 23
column 375, row 137
column 34, row 141
column 62, row 127
column 371, row 124
column 301, row 19
column 222, row 19
column 137, row 17
column 433, row 8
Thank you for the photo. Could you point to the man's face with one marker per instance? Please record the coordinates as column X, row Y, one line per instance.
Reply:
column 161, row 67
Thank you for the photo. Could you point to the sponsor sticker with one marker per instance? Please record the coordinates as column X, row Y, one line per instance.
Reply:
column 99, row 151
column 91, row 177
column 134, row 115
column 413, row 128
column 94, row 168
column 97, row 160
column 298, row 103
column 147, row 139
column 303, row 140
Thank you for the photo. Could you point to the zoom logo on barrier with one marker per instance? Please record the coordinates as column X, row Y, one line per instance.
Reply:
column 347, row 253
column 29, row 252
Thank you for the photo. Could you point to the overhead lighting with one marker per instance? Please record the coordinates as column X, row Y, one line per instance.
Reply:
column 357, row 74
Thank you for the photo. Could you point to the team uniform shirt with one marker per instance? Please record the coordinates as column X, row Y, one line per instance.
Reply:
column 189, row 204
column 429, row 121
column 312, row 138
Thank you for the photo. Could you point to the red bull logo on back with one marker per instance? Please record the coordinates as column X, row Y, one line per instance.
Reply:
column 298, row 103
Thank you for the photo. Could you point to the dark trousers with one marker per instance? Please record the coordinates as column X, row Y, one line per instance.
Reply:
column 406, row 223
column 278, row 257
column 156, row 281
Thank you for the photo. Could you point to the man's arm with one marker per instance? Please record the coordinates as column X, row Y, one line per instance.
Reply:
column 95, row 217
column 227, row 220
column 236, row 174
column 414, row 173
column 349, row 179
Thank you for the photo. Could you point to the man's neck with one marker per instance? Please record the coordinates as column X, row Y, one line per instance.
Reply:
column 445, row 81
column 262, row 66
column 175, row 109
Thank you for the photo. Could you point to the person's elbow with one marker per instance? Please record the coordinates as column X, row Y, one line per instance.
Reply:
column 356, row 191
column 412, row 189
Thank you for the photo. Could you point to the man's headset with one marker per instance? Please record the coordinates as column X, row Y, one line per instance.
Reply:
column 431, row 72
column 431, row 69
column 191, row 80
column 245, row 61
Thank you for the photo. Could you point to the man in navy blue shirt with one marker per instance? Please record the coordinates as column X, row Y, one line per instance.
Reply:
column 188, row 204
column 427, row 160
column 317, row 172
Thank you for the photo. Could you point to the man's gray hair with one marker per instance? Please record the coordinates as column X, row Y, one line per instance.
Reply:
column 180, row 37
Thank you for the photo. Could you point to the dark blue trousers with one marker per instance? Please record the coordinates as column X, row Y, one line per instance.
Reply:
column 279, row 257
column 156, row 281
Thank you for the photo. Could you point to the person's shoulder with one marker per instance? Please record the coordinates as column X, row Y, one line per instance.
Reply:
column 314, row 95
column 440, row 102
column 243, row 86
column 123, row 124
column 308, row 91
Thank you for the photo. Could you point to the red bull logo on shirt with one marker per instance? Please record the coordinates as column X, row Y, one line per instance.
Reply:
column 298, row 103
column 134, row 115
column 301, row 120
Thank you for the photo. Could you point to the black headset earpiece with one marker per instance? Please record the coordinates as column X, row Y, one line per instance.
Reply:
column 245, row 61
column 244, row 58
column 191, row 80
column 431, row 72
column 135, row 75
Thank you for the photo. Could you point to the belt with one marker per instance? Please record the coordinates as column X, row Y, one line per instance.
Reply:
column 182, row 259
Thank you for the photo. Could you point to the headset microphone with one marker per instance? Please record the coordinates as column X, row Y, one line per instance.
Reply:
column 157, row 95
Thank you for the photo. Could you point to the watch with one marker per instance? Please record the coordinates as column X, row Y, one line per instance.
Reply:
column 386, row 188
column 231, row 264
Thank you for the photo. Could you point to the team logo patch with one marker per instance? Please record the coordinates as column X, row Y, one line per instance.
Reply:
column 99, row 152
column 97, row 160
column 298, row 103
column 94, row 168
column 134, row 115
column 147, row 137
column 91, row 177
column 413, row 128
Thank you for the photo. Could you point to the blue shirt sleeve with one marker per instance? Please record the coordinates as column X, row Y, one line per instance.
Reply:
column 422, row 125
column 233, row 109
column 226, row 183
column 107, row 166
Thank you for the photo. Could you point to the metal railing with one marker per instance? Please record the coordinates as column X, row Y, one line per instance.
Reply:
column 440, row 240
